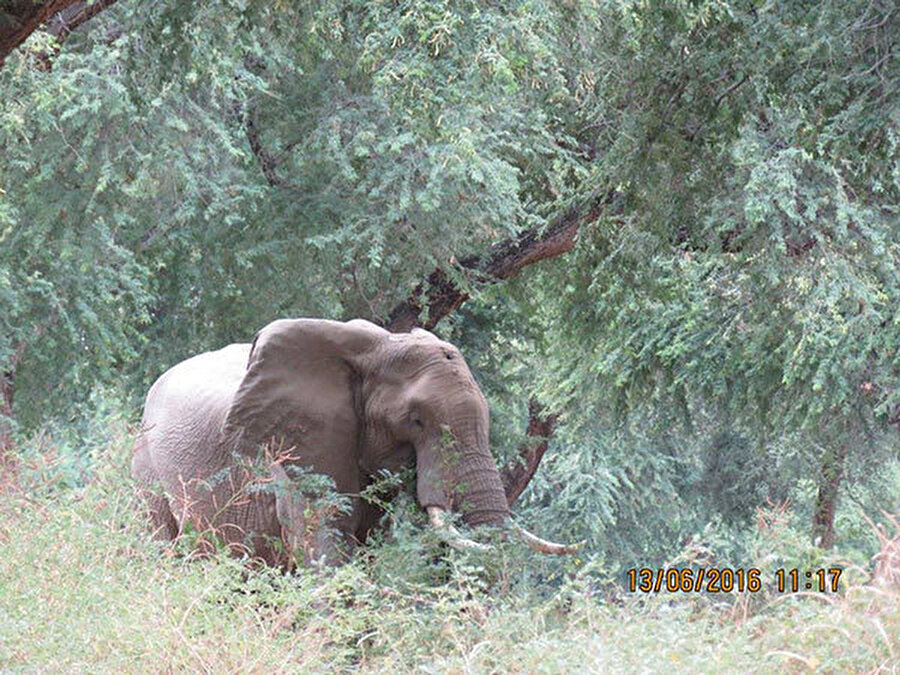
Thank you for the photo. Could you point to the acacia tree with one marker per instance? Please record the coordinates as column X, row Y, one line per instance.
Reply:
column 752, row 267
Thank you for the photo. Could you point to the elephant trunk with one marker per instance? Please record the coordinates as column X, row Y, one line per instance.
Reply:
column 478, row 493
column 479, row 496
column 461, row 474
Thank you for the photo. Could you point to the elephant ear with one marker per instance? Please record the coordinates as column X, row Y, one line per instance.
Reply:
column 300, row 392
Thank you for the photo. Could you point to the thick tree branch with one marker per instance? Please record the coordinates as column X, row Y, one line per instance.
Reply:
column 266, row 161
column 20, row 18
column 517, row 475
column 504, row 260
column 62, row 25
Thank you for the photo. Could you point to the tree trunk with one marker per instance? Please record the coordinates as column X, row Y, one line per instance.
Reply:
column 517, row 476
column 830, row 474
column 7, row 382
column 8, row 461
column 8, row 387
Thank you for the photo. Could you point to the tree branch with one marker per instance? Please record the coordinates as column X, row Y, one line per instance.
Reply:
column 62, row 25
column 504, row 260
column 266, row 161
column 20, row 18
column 516, row 476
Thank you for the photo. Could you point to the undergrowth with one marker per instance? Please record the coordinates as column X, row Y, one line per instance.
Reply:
column 83, row 588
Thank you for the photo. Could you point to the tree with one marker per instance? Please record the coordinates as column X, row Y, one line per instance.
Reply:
column 752, row 268
column 272, row 192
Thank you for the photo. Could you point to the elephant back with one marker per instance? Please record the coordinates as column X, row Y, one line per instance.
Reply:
column 185, row 411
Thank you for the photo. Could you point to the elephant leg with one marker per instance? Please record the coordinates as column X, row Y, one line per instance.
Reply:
column 307, row 532
column 312, row 534
column 163, row 525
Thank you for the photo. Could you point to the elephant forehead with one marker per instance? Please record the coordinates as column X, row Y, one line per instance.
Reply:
column 417, row 335
column 422, row 344
column 438, row 377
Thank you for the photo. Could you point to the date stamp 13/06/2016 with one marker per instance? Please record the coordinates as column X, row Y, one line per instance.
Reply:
column 730, row 580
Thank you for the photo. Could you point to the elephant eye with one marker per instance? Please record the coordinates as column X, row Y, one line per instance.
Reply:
column 418, row 423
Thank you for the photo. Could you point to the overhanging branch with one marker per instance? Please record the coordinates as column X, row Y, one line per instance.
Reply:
column 61, row 25
column 504, row 260
column 20, row 18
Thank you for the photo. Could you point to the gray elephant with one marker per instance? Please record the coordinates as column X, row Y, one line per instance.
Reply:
column 344, row 400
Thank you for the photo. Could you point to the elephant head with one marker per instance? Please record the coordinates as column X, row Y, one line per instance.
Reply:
column 352, row 399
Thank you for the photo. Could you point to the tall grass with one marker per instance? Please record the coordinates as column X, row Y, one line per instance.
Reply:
column 82, row 588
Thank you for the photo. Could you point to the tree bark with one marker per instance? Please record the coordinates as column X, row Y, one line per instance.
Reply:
column 830, row 475
column 517, row 475
column 20, row 18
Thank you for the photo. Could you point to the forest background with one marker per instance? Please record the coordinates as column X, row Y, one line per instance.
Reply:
column 665, row 236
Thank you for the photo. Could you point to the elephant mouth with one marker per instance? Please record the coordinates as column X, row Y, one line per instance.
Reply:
column 452, row 536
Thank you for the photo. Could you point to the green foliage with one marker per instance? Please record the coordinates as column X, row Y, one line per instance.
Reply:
column 399, row 138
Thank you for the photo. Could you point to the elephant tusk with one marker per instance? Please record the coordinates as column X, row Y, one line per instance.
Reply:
column 450, row 534
column 544, row 546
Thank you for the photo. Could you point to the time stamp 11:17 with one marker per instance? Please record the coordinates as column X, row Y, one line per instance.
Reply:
column 731, row 579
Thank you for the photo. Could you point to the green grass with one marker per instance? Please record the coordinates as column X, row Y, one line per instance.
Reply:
column 83, row 589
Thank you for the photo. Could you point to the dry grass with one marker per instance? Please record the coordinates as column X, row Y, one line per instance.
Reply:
column 83, row 589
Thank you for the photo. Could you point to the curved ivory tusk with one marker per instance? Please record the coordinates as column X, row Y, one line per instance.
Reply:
column 450, row 534
column 543, row 546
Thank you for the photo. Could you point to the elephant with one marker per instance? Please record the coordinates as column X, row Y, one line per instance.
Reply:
column 346, row 400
